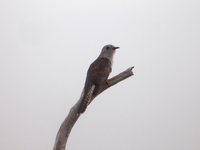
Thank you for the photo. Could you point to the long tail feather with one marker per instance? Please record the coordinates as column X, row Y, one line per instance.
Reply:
column 86, row 98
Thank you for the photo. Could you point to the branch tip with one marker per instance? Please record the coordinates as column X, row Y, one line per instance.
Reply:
column 130, row 70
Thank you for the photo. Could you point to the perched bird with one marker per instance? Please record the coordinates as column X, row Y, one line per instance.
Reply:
column 97, row 75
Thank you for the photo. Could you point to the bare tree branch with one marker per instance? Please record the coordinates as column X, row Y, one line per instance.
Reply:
column 70, row 120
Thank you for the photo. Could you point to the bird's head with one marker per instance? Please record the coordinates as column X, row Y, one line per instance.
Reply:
column 108, row 51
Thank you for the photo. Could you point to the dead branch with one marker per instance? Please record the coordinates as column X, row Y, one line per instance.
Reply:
column 70, row 120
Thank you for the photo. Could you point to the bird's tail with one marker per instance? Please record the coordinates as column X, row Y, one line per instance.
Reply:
column 82, row 107
column 86, row 99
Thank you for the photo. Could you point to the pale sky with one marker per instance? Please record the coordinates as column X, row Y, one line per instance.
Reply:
column 46, row 47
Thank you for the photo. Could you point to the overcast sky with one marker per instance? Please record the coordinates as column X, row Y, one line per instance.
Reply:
column 46, row 47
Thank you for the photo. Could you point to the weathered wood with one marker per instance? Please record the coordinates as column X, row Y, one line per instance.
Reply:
column 72, row 117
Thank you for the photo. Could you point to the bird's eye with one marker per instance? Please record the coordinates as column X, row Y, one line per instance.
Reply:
column 107, row 47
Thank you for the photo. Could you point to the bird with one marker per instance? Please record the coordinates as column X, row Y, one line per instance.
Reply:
column 97, row 75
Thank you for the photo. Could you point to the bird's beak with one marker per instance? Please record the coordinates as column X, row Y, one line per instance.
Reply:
column 116, row 47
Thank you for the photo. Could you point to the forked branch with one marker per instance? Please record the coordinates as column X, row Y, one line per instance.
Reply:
column 72, row 117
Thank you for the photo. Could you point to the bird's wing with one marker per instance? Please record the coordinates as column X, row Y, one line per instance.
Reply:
column 98, row 72
column 100, row 67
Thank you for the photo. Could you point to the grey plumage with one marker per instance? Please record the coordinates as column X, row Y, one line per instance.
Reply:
column 97, row 74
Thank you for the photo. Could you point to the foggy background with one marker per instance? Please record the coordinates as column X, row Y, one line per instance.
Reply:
column 46, row 47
